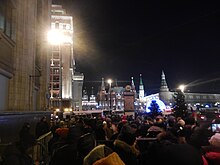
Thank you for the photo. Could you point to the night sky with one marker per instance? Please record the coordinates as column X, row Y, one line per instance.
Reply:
column 119, row 39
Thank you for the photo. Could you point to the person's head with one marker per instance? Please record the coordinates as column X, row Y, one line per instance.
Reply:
column 153, row 131
column 171, row 121
column 215, row 140
column 127, row 134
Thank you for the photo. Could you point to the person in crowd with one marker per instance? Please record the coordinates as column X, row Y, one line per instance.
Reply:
column 212, row 151
column 99, row 152
column 111, row 159
column 99, row 130
column 117, row 130
column 18, row 152
column 108, row 128
column 85, row 144
column 67, row 152
column 125, row 146
column 190, row 127
column 42, row 127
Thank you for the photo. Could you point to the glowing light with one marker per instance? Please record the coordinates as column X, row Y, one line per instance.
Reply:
column 207, row 106
column 182, row 87
column 109, row 81
column 56, row 37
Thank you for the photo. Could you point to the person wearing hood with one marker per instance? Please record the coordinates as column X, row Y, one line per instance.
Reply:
column 124, row 146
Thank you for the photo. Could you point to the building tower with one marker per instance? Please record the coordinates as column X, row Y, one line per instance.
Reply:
column 77, row 90
column 133, row 87
column 62, row 63
column 85, row 100
column 141, row 89
column 164, row 93
column 102, row 95
column 92, row 100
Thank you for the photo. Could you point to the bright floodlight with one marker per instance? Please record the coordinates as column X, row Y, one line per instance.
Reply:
column 182, row 87
column 56, row 37
column 109, row 81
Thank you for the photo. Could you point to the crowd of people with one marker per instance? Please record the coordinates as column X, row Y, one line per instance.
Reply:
column 125, row 140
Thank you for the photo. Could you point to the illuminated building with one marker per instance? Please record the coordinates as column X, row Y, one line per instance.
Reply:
column 89, row 103
column 194, row 100
column 65, row 84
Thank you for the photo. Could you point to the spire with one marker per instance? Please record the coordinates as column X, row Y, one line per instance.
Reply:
column 92, row 92
column 163, row 85
column 103, row 85
column 84, row 92
column 141, row 81
column 132, row 83
column 141, row 88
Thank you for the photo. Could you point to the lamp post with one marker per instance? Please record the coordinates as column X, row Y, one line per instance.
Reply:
column 110, row 97
column 182, row 88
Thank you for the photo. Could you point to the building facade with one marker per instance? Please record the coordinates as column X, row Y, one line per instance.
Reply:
column 65, row 84
column 24, row 54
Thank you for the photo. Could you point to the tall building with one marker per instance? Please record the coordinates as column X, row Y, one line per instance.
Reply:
column 65, row 84
column 24, row 54
column 77, row 90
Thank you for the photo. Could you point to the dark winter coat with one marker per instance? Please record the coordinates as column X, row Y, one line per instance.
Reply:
column 128, row 154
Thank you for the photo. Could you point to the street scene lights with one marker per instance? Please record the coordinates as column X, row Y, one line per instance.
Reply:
column 59, row 41
column 56, row 37
column 182, row 88
column 110, row 97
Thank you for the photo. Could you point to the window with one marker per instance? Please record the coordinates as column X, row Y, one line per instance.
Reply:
column 190, row 96
column 57, row 25
column 2, row 14
column 6, row 18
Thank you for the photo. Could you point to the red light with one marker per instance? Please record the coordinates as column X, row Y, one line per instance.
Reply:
column 202, row 117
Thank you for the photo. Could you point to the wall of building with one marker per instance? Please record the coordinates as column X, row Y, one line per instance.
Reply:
column 27, row 57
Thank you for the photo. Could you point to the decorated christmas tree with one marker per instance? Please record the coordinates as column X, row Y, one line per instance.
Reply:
column 180, row 107
column 154, row 109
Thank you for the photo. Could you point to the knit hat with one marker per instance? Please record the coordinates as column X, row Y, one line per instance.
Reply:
column 111, row 159
column 215, row 140
column 62, row 132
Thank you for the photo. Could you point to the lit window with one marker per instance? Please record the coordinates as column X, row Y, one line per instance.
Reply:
column 57, row 25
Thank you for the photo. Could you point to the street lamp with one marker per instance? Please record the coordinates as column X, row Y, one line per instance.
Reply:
column 182, row 87
column 110, row 97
